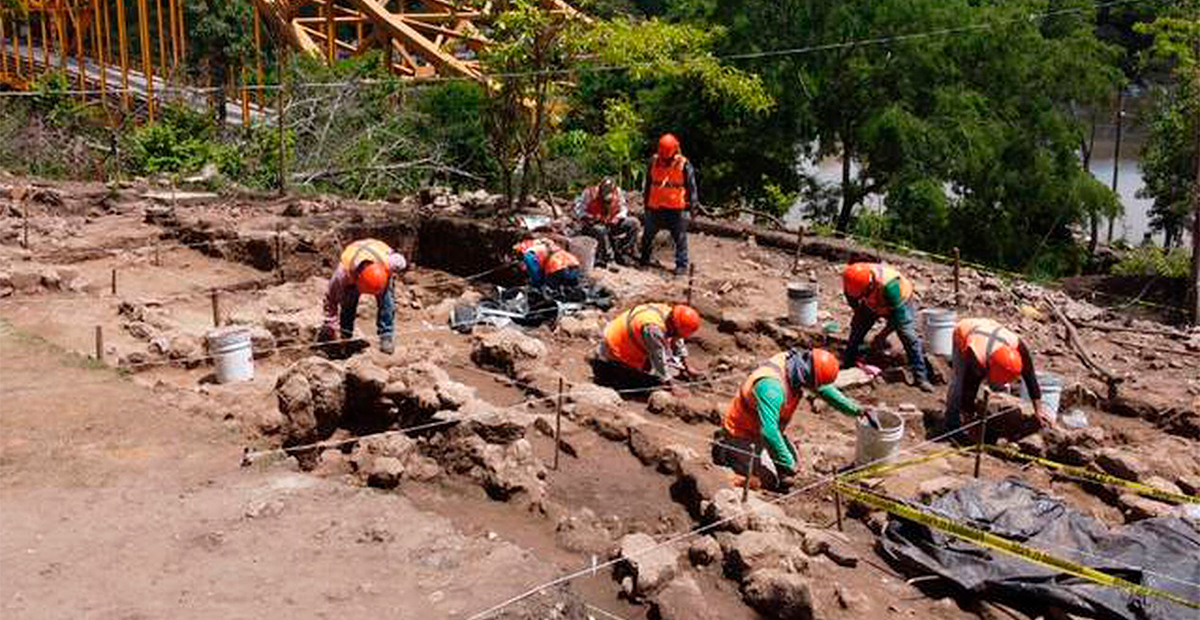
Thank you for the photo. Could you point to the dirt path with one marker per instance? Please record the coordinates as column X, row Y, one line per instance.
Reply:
column 115, row 506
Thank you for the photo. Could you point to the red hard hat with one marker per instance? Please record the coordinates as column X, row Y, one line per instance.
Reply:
column 668, row 146
column 856, row 279
column 1004, row 366
column 372, row 279
column 825, row 367
column 685, row 320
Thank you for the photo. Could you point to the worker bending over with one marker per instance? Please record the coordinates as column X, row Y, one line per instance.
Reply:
column 670, row 191
column 366, row 267
column 644, row 345
column 984, row 349
column 603, row 214
column 875, row 290
column 546, row 263
column 761, row 410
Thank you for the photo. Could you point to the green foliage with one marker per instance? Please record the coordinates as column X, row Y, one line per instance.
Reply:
column 182, row 142
column 1154, row 261
column 53, row 100
column 451, row 117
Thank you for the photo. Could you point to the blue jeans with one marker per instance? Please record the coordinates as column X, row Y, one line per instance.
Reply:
column 672, row 220
column 385, row 321
column 904, row 326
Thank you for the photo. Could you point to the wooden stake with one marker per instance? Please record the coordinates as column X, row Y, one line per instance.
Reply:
column 749, row 474
column 691, row 282
column 147, row 65
column 281, row 121
column 957, row 294
column 837, row 505
column 99, row 344
column 114, row 281
column 123, row 48
column 982, row 435
column 162, row 41
column 799, row 245
column 558, row 424
column 216, row 309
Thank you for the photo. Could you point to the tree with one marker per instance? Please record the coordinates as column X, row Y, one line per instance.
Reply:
column 220, row 39
column 1171, row 163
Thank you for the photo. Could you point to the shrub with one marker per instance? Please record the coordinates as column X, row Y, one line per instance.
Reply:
column 1153, row 261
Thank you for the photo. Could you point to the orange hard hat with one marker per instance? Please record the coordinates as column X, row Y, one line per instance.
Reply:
column 685, row 320
column 856, row 279
column 1004, row 365
column 668, row 146
column 372, row 278
column 825, row 367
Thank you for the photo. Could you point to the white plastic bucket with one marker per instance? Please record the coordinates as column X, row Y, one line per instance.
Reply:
column 1052, row 387
column 939, row 331
column 584, row 248
column 802, row 304
column 232, row 353
column 875, row 444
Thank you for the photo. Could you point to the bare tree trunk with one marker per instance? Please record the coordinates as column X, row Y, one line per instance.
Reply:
column 843, row 222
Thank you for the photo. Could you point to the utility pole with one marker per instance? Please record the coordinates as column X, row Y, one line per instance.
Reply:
column 1117, row 152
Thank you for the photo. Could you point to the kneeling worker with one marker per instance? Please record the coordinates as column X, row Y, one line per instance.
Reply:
column 763, row 407
column 643, row 344
column 876, row 290
column 985, row 349
column 546, row 263
column 366, row 268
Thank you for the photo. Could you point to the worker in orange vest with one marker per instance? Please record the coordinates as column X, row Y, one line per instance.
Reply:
column 547, row 264
column 761, row 410
column 365, row 267
column 603, row 214
column 670, row 191
column 876, row 290
column 985, row 349
column 643, row 344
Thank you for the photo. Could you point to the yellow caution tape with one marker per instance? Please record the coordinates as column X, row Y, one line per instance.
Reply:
column 1094, row 476
column 1004, row 545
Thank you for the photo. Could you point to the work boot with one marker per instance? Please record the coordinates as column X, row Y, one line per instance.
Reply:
column 387, row 345
column 925, row 386
column 680, row 271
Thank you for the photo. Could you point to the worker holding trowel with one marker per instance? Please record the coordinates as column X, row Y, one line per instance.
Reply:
column 763, row 407
column 546, row 263
column 644, row 346
column 366, row 267
column 985, row 349
column 875, row 290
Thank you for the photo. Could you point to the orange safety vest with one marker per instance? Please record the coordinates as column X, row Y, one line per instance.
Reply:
column 364, row 250
column 981, row 336
column 741, row 419
column 596, row 208
column 884, row 274
column 623, row 336
column 550, row 256
column 668, row 184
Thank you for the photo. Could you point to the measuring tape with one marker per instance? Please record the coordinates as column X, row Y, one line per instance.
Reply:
column 1003, row 545
column 1094, row 476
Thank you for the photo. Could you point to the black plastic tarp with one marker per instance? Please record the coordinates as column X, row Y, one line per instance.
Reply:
column 1162, row 553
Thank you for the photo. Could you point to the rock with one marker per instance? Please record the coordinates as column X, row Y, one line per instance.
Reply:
column 582, row 533
column 26, row 281
column 1121, row 463
column 611, row 425
column 697, row 483
column 503, row 470
column 364, row 380
column 311, row 396
column 704, row 550
column 384, row 472
column 185, row 349
column 140, row 330
column 681, row 600
column 493, row 424
column 643, row 445
column 1189, row 483
column 933, row 487
column 1135, row 507
column 660, row 401
column 1033, row 445
column 262, row 341
column 507, row 350
column 577, row 328
column 851, row 378
column 847, row 599
column 779, row 595
column 332, row 463
column 649, row 565
column 737, row 320
column 832, row 545
column 589, row 398
column 395, row 445
column 290, row 330
column 751, row 551
column 50, row 279
column 672, row 457
column 726, row 507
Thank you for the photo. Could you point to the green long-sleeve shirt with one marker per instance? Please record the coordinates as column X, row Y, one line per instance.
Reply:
column 769, row 396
